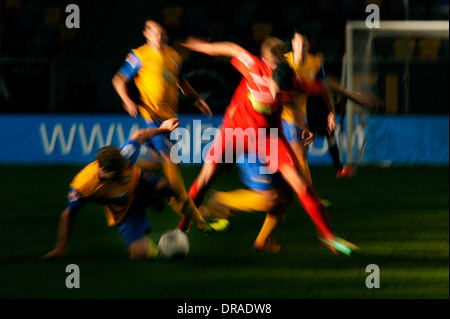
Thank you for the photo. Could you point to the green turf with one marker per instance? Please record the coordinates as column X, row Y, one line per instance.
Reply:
column 399, row 216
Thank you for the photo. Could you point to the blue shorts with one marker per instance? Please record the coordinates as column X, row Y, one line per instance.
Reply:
column 250, row 173
column 252, row 177
column 160, row 143
column 135, row 224
column 291, row 131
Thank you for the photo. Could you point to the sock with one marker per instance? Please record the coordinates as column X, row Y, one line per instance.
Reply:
column 184, row 224
column 197, row 197
column 243, row 200
column 268, row 228
column 317, row 211
column 173, row 175
column 181, row 201
column 190, row 213
column 197, row 200
column 153, row 250
column 300, row 152
column 334, row 152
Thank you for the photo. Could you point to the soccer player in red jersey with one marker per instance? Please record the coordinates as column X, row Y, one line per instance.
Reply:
column 256, row 108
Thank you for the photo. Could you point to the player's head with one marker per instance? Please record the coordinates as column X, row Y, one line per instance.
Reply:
column 273, row 50
column 283, row 76
column 300, row 44
column 154, row 33
column 110, row 163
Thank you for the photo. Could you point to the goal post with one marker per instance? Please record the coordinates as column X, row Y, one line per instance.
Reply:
column 404, row 63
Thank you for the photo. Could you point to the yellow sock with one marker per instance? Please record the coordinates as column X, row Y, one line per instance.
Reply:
column 181, row 202
column 268, row 228
column 242, row 200
column 173, row 175
column 188, row 208
column 153, row 250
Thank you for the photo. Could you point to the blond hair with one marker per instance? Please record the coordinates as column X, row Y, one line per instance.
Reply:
column 273, row 48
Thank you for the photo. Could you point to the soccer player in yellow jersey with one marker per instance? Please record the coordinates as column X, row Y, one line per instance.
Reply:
column 155, row 68
column 317, row 110
column 126, row 191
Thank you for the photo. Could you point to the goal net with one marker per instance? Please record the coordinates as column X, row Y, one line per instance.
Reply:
column 404, row 63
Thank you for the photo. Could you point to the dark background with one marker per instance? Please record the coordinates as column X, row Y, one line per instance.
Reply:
column 48, row 68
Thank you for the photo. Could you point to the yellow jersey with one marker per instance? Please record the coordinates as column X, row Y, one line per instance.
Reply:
column 117, row 196
column 309, row 70
column 156, row 75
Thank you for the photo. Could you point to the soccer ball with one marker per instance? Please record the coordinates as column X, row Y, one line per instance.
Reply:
column 174, row 244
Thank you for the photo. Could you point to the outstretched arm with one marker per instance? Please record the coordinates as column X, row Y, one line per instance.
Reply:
column 332, row 113
column 66, row 224
column 317, row 88
column 367, row 101
column 229, row 49
column 145, row 134
column 200, row 103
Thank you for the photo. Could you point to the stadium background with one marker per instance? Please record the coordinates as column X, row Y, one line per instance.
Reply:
column 69, row 70
column 49, row 70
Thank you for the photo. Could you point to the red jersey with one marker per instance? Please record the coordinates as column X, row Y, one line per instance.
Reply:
column 253, row 104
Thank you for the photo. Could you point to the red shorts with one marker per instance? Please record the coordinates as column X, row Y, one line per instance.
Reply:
column 244, row 130
column 239, row 134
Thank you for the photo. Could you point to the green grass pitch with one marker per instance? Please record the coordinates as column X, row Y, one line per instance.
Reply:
column 399, row 216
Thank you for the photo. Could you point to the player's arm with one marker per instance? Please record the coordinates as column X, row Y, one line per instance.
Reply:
column 120, row 80
column 328, row 100
column 146, row 134
column 369, row 102
column 66, row 224
column 291, row 101
column 228, row 49
column 242, row 60
column 188, row 90
column 307, row 137
column 131, row 149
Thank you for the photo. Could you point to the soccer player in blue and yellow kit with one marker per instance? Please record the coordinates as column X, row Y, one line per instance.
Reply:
column 126, row 191
column 155, row 68
column 318, row 109
column 321, row 116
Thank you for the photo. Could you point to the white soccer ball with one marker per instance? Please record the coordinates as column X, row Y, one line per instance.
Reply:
column 174, row 244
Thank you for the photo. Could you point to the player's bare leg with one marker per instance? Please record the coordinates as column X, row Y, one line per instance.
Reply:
column 316, row 210
column 181, row 202
column 223, row 204
column 342, row 171
column 309, row 199
column 301, row 153
column 203, row 181
column 264, row 241
column 279, row 200
column 198, row 191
